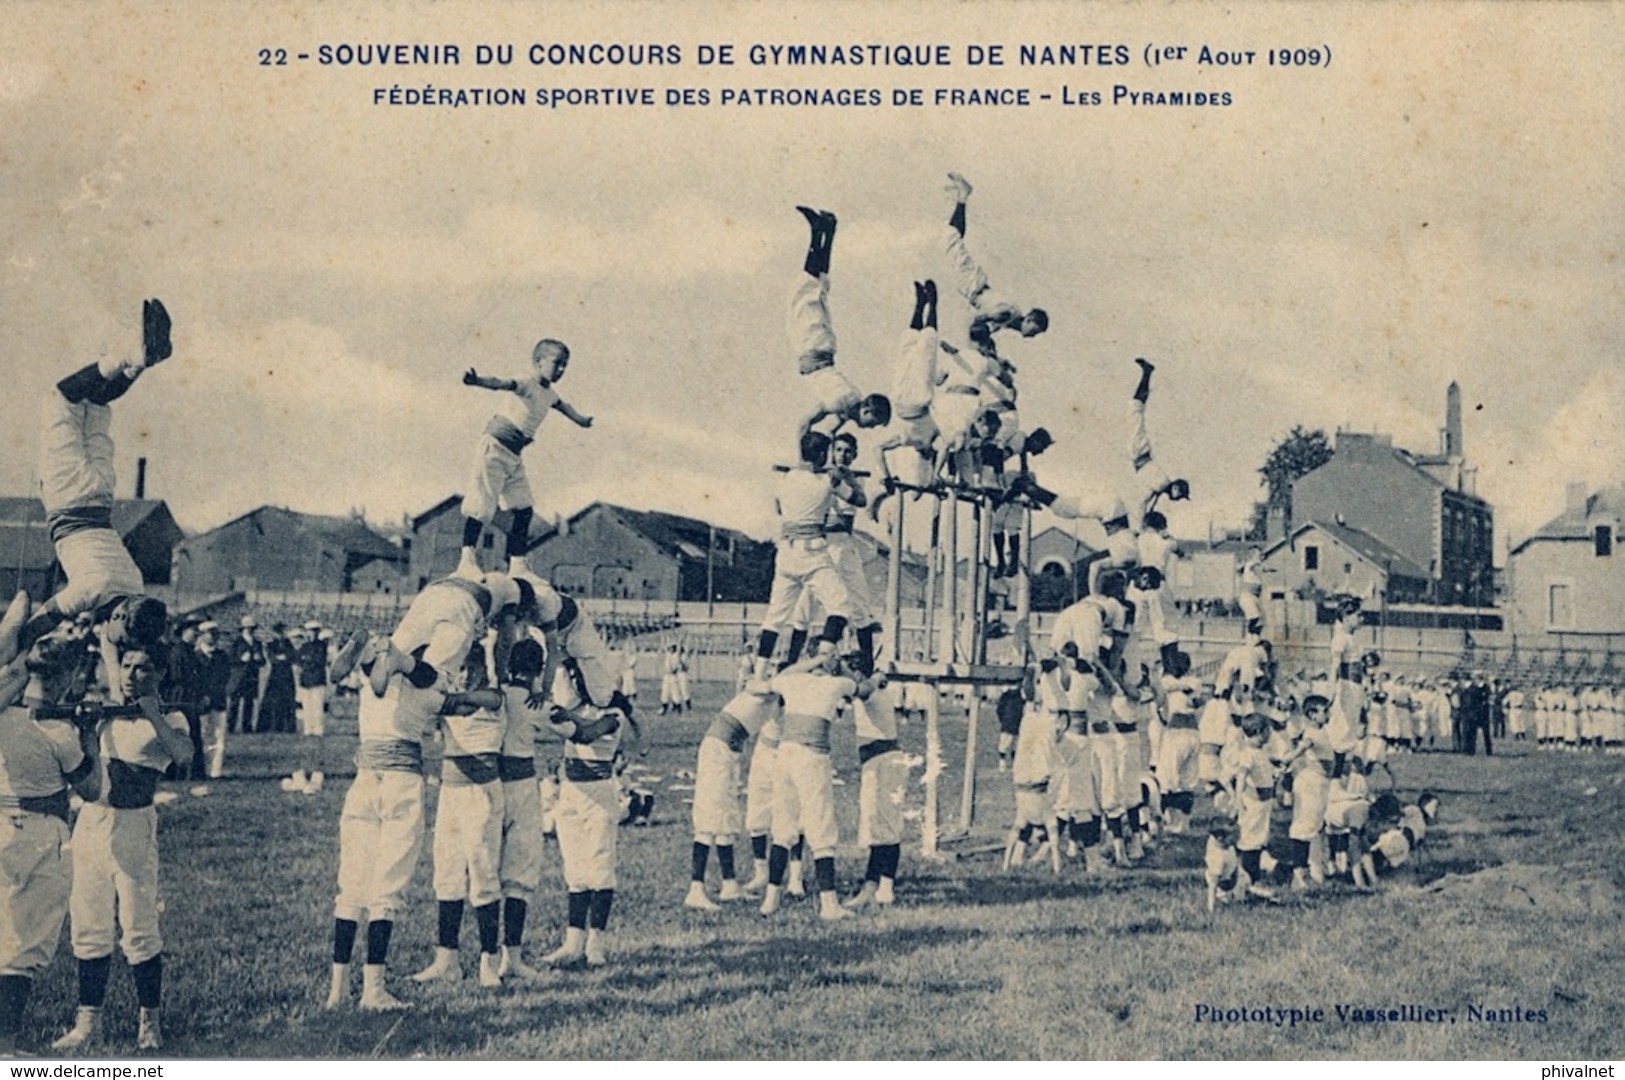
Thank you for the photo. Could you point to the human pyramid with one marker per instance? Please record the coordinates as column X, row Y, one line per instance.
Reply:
column 497, row 662
column 506, row 671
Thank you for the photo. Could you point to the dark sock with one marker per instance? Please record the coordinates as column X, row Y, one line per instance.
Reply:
column 1091, row 832
column 931, row 305
column 697, row 859
column 598, row 917
column 824, row 873
column 93, row 981
column 834, row 629
column 488, row 917
column 798, row 641
column 1252, row 862
column 471, row 532
column 778, row 861
column 1142, row 392
column 378, row 932
column 766, row 642
column 112, row 389
column 957, row 218
column 872, row 871
column 344, row 931
column 758, row 847
column 866, row 649
column 725, row 861
column 149, row 982
column 1014, row 540
column 14, row 991
column 513, row 922
column 894, row 858
column 519, row 532
column 815, row 263
column 579, row 903
column 798, row 849
column 82, row 385
column 451, row 924
column 917, row 322
column 1298, row 854
column 998, row 554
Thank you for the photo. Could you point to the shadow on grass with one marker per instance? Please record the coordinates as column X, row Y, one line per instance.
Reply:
column 656, row 984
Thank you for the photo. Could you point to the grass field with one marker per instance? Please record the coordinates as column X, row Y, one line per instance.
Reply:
column 1514, row 902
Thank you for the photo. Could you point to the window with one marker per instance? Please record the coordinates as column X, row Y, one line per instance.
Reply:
column 1311, row 557
column 1559, row 606
column 1602, row 541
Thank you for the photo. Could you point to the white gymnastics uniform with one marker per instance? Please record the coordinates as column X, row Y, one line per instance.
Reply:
column 803, row 777
column 719, row 805
column 883, row 775
column 115, row 846
column 914, row 384
column 520, row 867
column 469, row 811
column 812, row 342
column 450, row 615
column 498, row 479
column 588, row 812
column 1076, row 779
column 36, row 857
column 76, row 485
column 803, row 560
column 381, row 825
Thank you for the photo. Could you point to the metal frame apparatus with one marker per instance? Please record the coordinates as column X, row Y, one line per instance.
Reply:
column 949, row 648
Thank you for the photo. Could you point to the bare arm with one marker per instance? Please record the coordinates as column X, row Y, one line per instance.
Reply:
column 176, row 745
column 467, row 701
column 488, row 382
column 569, row 411
column 809, row 420
column 344, row 662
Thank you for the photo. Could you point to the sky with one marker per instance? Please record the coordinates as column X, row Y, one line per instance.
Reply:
column 1441, row 201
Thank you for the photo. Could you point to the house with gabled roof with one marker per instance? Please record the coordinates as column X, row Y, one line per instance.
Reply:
column 274, row 548
column 1567, row 578
column 28, row 558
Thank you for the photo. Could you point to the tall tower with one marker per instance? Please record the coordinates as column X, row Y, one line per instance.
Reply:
column 1452, row 422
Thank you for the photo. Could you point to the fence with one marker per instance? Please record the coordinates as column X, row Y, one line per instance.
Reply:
column 713, row 635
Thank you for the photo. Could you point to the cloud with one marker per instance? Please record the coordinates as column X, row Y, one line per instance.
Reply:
column 1583, row 441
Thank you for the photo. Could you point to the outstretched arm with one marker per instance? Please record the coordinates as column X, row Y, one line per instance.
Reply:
column 487, row 382
column 569, row 411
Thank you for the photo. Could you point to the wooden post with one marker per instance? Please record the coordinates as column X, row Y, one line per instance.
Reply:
column 894, row 583
column 933, row 575
column 950, row 600
column 967, row 794
column 933, row 771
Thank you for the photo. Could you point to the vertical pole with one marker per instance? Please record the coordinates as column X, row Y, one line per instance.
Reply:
column 894, row 583
column 967, row 793
column 1024, row 579
column 950, row 600
column 976, row 598
column 933, row 771
column 933, row 576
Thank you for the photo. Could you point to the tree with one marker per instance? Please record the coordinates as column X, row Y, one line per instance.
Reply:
column 1299, row 453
